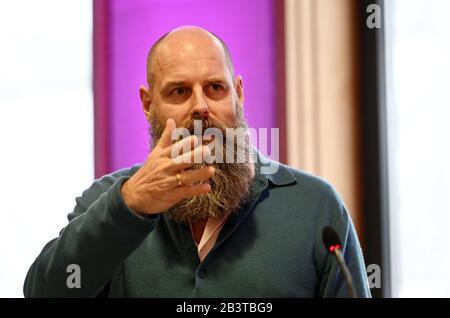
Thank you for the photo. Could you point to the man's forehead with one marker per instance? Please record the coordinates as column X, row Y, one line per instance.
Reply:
column 188, row 64
column 202, row 70
column 186, row 59
column 181, row 50
column 175, row 58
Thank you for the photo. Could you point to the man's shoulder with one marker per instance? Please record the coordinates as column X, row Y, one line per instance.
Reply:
column 102, row 185
column 124, row 172
column 109, row 179
column 306, row 196
column 300, row 180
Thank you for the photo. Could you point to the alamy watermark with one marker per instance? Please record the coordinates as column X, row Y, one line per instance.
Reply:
column 373, row 21
column 235, row 149
column 374, row 275
column 74, row 278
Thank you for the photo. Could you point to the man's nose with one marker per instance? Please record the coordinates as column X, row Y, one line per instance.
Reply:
column 200, row 108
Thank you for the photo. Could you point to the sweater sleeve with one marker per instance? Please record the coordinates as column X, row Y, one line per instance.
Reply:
column 102, row 232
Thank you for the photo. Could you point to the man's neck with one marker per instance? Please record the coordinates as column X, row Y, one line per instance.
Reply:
column 198, row 227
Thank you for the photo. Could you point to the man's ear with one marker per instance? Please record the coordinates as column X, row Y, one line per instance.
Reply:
column 239, row 87
column 146, row 98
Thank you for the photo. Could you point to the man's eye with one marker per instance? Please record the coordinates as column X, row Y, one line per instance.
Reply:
column 216, row 87
column 216, row 91
column 179, row 91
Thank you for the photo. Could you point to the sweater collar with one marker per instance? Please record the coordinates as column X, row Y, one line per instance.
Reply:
column 277, row 173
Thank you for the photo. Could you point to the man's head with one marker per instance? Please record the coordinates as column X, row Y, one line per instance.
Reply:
column 152, row 52
column 190, row 76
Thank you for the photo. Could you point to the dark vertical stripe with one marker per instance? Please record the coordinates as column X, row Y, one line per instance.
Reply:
column 280, row 76
column 374, row 147
column 101, row 87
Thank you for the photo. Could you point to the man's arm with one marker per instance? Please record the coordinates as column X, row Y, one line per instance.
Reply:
column 97, row 239
column 113, row 217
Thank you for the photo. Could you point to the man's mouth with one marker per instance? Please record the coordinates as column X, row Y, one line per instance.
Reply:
column 206, row 139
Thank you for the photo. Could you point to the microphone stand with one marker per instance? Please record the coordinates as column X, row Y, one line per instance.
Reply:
column 345, row 271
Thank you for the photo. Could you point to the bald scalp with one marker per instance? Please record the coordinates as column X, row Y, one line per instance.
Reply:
column 152, row 54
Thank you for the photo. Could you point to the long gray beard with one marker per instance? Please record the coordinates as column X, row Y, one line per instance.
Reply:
column 231, row 184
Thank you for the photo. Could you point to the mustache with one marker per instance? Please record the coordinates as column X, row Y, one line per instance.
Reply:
column 201, row 125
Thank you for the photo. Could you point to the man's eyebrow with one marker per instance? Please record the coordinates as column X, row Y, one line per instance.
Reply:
column 212, row 80
column 170, row 84
column 216, row 80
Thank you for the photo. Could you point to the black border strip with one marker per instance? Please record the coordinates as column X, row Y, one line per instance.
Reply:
column 374, row 145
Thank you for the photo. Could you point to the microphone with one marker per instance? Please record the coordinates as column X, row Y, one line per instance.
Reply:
column 333, row 244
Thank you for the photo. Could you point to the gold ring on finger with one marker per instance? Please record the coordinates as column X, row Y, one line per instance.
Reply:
column 178, row 176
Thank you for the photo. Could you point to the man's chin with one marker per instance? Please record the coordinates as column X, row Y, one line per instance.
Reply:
column 230, row 190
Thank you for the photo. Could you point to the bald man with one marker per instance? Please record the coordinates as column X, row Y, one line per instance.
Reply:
column 174, row 226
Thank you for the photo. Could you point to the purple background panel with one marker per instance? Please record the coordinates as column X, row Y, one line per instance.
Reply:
column 248, row 28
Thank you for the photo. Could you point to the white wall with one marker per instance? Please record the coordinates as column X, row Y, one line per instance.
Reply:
column 46, row 126
column 418, row 52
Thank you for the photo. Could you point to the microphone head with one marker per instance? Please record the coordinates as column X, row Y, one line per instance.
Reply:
column 330, row 238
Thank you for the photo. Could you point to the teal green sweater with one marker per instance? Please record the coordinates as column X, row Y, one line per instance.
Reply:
column 271, row 248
